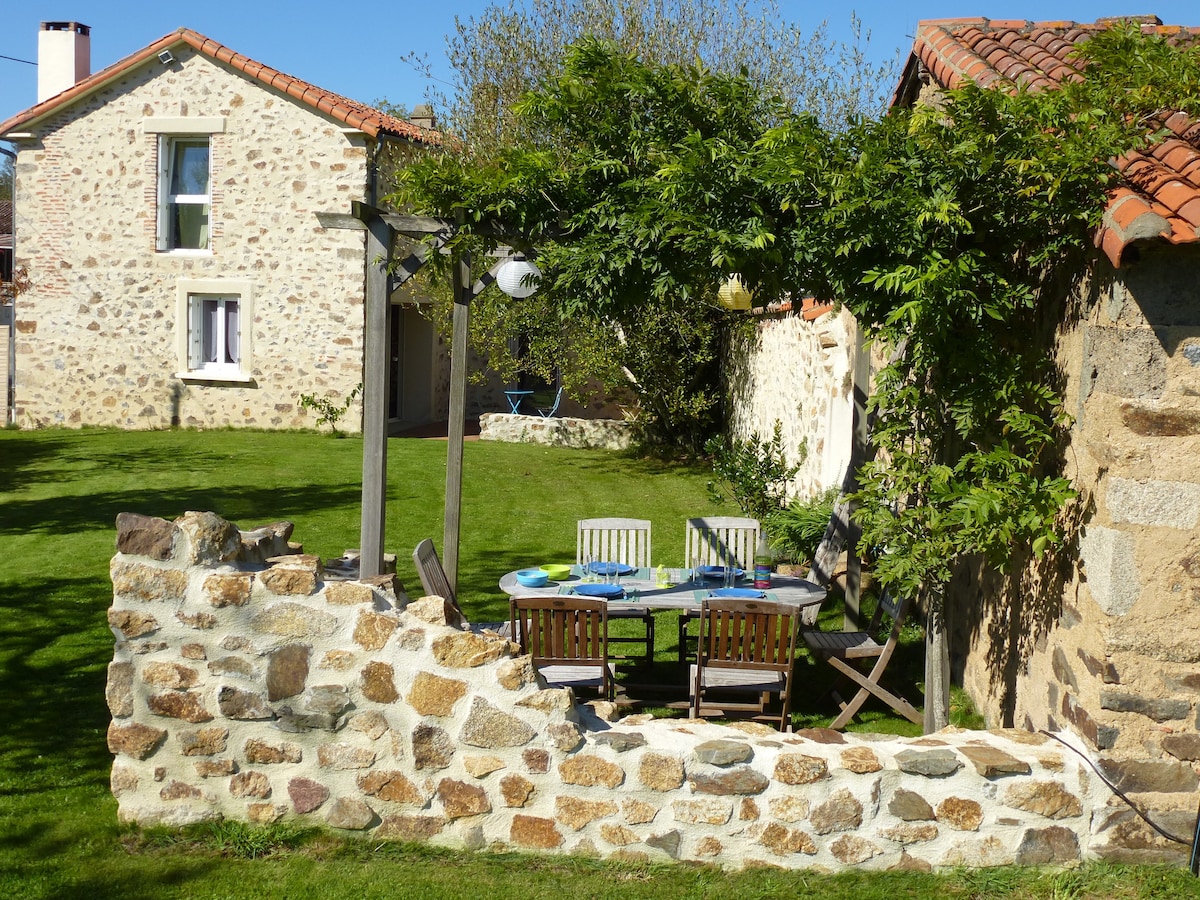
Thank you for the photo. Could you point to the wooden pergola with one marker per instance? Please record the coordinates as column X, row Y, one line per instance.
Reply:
column 382, row 280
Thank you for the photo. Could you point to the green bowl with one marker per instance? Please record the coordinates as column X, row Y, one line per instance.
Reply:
column 557, row 573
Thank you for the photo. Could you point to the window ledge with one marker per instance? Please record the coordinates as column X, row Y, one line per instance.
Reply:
column 215, row 377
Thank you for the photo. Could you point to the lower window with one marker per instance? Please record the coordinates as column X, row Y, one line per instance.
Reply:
column 214, row 334
column 214, row 321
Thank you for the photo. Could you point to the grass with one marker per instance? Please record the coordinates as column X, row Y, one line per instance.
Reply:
column 60, row 493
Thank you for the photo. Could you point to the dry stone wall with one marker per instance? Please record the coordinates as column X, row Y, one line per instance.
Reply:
column 250, row 683
column 608, row 434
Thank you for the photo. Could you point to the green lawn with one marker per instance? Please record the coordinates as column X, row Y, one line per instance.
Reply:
column 60, row 493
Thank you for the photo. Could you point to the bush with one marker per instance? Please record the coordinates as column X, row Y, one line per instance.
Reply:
column 328, row 412
column 796, row 530
column 755, row 473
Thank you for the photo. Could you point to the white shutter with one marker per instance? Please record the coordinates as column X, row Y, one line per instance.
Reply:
column 195, row 331
column 164, row 193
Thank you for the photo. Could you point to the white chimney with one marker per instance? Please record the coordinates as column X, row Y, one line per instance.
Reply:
column 64, row 57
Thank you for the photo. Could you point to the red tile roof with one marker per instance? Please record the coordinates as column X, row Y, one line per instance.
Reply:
column 365, row 118
column 1162, row 197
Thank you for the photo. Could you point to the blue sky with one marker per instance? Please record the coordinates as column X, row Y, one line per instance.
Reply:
column 340, row 49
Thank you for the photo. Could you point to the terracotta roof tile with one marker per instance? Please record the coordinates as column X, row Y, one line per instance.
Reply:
column 371, row 121
column 1162, row 197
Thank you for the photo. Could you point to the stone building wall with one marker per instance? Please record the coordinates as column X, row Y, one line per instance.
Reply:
column 1102, row 639
column 96, row 336
column 250, row 683
column 798, row 373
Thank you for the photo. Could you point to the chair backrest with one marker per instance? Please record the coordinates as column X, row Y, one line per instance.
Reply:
column 548, row 411
column 614, row 540
column 754, row 635
column 895, row 609
column 561, row 630
column 430, row 571
column 713, row 540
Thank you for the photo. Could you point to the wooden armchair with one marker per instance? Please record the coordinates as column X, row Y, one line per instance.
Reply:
column 844, row 650
column 434, row 581
column 623, row 541
column 714, row 541
column 567, row 638
column 745, row 647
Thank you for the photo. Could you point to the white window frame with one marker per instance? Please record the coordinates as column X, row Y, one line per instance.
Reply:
column 189, row 298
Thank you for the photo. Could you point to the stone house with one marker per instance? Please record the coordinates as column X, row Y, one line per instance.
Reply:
column 166, row 211
column 1104, row 644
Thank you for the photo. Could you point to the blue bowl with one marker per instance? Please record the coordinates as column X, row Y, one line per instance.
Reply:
column 532, row 578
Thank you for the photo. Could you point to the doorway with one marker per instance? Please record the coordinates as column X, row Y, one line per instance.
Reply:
column 410, row 349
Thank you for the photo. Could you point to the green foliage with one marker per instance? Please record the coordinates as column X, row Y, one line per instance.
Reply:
column 6, row 176
column 631, row 304
column 796, row 529
column 329, row 412
column 754, row 473
column 953, row 231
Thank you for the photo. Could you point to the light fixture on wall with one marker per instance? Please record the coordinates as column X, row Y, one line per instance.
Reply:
column 518, row 277
column 166, row 57
column 734, row 295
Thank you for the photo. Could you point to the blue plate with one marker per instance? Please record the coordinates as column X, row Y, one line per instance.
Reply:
column 607, row 591
column 717, row 572
column 608, row 568
column 741, row 593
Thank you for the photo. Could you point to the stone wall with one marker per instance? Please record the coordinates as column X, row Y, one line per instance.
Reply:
column 250, row 683
column 96, row 335
column 798, row 373
column 1107, row 645
column 607, row 434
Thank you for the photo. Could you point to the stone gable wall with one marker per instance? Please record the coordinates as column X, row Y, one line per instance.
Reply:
column 252, row 683
column 799, row 373
column 1111, row 651
column 96, row 336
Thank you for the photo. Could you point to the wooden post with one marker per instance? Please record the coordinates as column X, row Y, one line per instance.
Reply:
column 937, row 666
column 456, row 422
column 375, row 396
column 852, row 619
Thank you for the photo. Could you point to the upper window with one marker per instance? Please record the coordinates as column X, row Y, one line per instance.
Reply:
column 184, row 194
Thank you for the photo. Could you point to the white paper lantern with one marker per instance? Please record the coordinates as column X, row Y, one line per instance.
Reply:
column 518, row 277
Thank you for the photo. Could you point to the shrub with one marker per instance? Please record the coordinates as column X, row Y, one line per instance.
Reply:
column 796, row 529
column 755, row 473
column 328, row 412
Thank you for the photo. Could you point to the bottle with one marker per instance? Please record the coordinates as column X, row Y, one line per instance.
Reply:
column 763, row 559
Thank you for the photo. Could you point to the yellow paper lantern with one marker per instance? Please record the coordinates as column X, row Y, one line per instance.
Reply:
column 733, row 294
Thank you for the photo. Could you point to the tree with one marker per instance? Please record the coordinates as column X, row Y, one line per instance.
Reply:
column 6, row 177
column 663, row 345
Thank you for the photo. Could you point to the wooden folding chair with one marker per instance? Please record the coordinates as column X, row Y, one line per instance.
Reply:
column 567, row 638
column 715, row 541
column 622, row 541
column 745, row 646
column 434, row 581
column 843, row 649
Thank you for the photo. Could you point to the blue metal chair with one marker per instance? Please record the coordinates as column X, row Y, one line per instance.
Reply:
column 547, row 411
